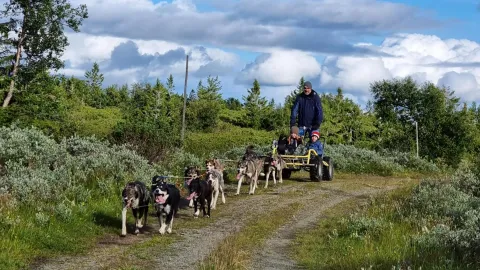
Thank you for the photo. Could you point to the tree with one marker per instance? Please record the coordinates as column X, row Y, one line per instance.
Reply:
column 233, row 104
column 255, row 105
column 94, row 77
column 95, row 80
column 170, row 84
column 40, row 39
column 445, row 130
column 204, row 111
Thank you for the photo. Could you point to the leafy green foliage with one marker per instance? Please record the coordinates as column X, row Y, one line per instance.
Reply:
column 254, row 104
column 152, row 118
column 39, row 26
column 225, row 137
column 89, row 121
column 94, row 81
column 444, row 131
column 203, row 107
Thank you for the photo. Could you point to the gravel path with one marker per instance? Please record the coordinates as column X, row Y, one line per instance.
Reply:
column 194, row 245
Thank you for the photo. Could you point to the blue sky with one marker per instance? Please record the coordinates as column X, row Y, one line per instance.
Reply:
column 344, row 43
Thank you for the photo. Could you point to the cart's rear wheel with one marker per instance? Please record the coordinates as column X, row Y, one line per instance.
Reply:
column 328, row 170
column 316, row 172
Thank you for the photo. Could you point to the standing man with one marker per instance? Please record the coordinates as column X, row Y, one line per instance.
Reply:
column 308, row 108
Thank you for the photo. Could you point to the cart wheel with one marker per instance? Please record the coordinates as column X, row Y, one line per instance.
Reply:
column 316, row 172
column 328, row 170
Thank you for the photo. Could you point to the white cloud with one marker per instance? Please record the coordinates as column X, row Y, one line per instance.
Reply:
column 280, row 68
column 154, row 58
column 85, row 48
column 252, row 23
column 449, row 62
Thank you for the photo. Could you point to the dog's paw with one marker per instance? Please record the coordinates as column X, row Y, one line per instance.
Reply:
column 137, row 231
column 206, row 216
column 123, row 235
column 169, row 230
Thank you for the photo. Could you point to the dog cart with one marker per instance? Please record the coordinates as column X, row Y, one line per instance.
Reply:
column 319, row 166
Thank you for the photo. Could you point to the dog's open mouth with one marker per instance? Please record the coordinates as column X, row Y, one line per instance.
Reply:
column 160, row 198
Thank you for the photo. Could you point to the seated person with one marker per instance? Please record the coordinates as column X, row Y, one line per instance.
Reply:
column 294, row 146
column 315, row 144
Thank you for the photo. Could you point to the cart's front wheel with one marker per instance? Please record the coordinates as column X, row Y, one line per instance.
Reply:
column 316, row 172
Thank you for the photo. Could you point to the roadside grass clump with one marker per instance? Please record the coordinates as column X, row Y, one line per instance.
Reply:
column 57, row 197
column 434, row 225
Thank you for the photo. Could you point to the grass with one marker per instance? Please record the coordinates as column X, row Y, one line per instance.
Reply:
column 235, row 251
column 34, row 241
column 374, row 238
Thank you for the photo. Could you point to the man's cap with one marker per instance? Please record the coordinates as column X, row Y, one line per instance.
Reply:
column 307, row 84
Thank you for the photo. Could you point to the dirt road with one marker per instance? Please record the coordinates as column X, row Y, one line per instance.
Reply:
column 193, row 240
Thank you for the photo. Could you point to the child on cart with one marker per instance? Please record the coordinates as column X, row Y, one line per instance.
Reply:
column 294, row 142
column 315, row 143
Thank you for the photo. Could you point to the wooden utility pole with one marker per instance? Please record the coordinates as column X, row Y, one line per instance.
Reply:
column 184, row 101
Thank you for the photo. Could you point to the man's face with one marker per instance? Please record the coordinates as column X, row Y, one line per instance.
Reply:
column 307, row 90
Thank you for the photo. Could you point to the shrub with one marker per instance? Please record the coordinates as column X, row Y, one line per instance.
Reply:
column 88, row 121
column 226, row 137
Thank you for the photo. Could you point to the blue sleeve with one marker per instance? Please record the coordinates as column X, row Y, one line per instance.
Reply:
column 294, row 112
column 318, row 113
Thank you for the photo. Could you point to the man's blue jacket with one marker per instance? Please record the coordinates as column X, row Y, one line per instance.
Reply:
column 309, row 111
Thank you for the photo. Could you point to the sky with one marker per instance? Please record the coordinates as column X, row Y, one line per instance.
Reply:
column 333, row 43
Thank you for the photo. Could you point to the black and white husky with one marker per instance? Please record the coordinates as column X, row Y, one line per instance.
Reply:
column 135, row 196
column 166, row 198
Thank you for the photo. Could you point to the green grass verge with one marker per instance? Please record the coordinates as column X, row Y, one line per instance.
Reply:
column 34, row 240
column 373, row 238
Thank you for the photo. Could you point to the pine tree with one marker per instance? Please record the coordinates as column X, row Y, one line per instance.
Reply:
column 170, row 84
column 255, row 105
column 94, row 77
